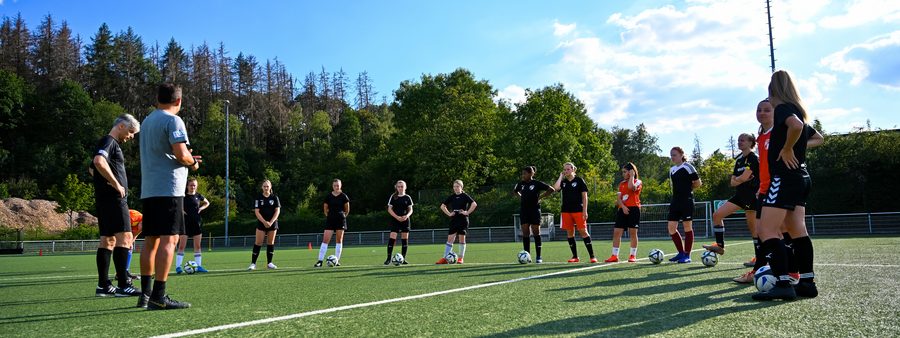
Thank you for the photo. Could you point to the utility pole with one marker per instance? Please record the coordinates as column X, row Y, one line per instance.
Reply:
column 227, row 163
column 771, row 44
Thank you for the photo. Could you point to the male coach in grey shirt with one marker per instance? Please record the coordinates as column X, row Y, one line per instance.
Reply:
column 165, row 159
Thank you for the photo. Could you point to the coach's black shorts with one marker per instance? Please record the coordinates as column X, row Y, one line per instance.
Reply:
column 193, row 225
column 530, row 217
column 163, row 216
column 397, row 226
column 744, row 201
column 681, row 210
column 632, row 220
column 336, row 222
column 112, row 215
column 261, row 227
column 788, row 191
column 459, row 224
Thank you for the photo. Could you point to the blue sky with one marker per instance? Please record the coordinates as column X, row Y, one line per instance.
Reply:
column 683, row 68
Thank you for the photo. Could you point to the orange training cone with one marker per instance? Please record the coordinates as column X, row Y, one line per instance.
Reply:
column 309, row 244
column 41, row 252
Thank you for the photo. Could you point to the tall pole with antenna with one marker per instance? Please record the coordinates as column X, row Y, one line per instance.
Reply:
column 227, row 169
column 771, row 44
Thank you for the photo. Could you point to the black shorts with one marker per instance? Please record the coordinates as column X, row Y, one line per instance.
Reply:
column 193, row 226
column 530, row 217
column 757, row 205
column 112, row 215
column 788, row 191
column 458, row 225
column 681, row 210
column 632, row 220
column 744, row 201
column 335, row 223
column 397, row 226
column 260, row 227
column 163, row 216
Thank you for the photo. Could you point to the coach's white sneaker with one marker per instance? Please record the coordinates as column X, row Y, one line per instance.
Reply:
column 271, row 266
column 252, row 267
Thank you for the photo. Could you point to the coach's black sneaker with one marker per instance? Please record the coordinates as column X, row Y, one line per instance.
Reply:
column 143, row 299
column 318, row 264
column 166, row 303
column 128, row 291
column 108, row 291
column 806, row 289
column 778, row 292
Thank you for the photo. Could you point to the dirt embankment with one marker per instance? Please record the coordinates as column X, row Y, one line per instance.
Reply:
column 17, row 213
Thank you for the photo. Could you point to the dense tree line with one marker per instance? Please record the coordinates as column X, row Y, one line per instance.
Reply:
column 59, row 94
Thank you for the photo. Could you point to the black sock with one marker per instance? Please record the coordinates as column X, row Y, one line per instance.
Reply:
column 572, row 247
column 145, row 284
column 120, row 259
column 103, row 266
column 391, row 242
column 159, row 289
column 789, row 253
column 803, row 249
column 404, row 244
column 590, row 247
column 719, row 231
column 775, row 250
column 761, row 259
column 255, row 254
column 537, row 245
column 526, row 243
column 270, row 251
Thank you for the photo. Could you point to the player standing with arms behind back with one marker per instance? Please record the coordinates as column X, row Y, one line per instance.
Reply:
column 574, row 213
column 529, row 191
column 400, row 207
column 336, row 208
column 685, row 179
column 267, row 208
column 628, row 213
column 458, row 206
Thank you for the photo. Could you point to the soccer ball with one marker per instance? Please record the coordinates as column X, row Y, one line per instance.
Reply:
column 656, row 256
column 451, row 257
column 764, row 279
column 190, row 267
column 331, row 260
column 709, row 259
column 524, row 257
column 397, row 259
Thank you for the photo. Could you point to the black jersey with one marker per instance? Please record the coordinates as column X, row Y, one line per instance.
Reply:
column 192, row 204
column 336, row 204
column 400, row 204
column 779, row 137
column 458, row 202
column 109, row 148
column 267, row 205
column 683, row 177
column 531, row 193
column 571, row 194
column 742, row 164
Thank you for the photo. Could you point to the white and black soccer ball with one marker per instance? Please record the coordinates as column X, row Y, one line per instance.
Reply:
column 524, row 257
column 764, row 279
column 709, row 258
column 331, row 260
column 190, row 267
column 397, row 259
column 656, row 256
column 451, row 257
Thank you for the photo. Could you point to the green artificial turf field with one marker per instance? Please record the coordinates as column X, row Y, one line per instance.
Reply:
column 490, row 295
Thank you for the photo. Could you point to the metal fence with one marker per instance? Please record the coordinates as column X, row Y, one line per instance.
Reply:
column 883, row 223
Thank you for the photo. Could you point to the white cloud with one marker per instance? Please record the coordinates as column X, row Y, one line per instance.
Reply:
column 512, row 93
column 561, row 29
column 861, row 12
column 857, row 66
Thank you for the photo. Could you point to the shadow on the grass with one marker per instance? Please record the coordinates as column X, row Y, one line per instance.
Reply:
column 39, row 282
column 46, row 301
column 66, row 315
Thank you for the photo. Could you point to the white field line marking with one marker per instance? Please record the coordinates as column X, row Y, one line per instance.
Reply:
column 388, row 301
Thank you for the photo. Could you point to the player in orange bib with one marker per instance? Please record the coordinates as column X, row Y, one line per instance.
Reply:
column 574, row 213
column 137, row 220
column 628, row 212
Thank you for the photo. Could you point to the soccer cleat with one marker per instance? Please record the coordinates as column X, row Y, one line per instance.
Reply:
column 143, row 299
column 128, row 291
column 251, row 267
column 539, row 260
column 795, row 277
column 386, row 262
column 166, row 303
column 751, row 263
column 459, row 260
column 201, row 269
column 319, row 264
column 746, row 278
column 684, row 259
column 806, row 289
column 178, row 270
column 593, row 260
column 404, row 262
column 271, row 266
column 442, row 261
column 677, row 257
column 778, row 292
column 574, row 260
column 714, row 248
column 133, row 277
column 338, row 263
column 612, row 259
column 108, row 291
column 631, row 259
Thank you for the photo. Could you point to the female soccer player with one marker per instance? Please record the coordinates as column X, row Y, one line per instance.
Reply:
column 336, row 209
column 400, row 207
column 529, row 192
column 458, row 206
column 745, row 181
column 267, row 207
column 628, row 213
column 574, row 213
column 785, row 200
column 684, row 179
column 194, row 203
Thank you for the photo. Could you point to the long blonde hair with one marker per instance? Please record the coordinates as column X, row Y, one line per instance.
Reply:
column 782, row 88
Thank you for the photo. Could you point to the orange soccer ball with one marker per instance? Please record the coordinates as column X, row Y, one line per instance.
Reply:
column 136, row 220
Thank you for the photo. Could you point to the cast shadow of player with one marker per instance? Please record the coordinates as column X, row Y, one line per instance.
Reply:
column 466, row 271
column 48, row 301
column 93, row 313
column 43, row 282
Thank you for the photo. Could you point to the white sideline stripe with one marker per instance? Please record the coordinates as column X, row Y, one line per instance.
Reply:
column 388, row 301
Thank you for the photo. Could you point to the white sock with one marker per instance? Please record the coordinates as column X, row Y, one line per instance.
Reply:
column 198, row 258
column 633, row 251
column 338, row 248
column 179, row 258
column 322, row 250
column 615, row 251
column 462, row 250
column 448, row 248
